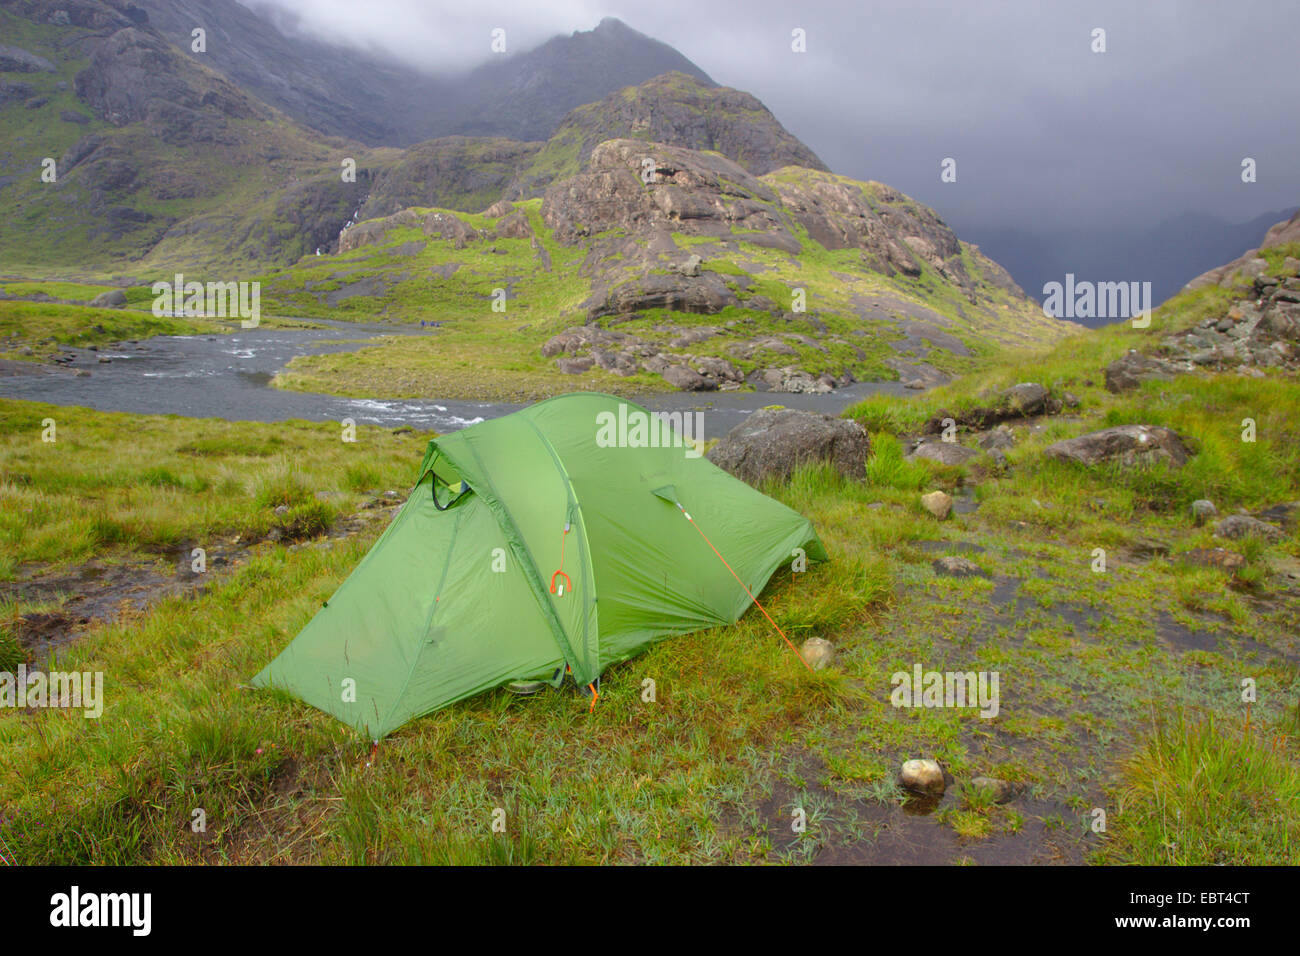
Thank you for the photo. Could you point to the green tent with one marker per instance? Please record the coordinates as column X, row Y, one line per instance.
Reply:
column 574, row 532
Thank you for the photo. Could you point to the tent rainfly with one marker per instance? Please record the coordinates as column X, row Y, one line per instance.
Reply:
column 564, row 537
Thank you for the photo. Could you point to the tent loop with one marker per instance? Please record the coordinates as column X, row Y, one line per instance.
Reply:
column 559, row 572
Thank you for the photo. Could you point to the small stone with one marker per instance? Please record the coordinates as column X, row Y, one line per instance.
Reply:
column 923, row 776
column 1203, row 510
column 938, row 503
column 104, row 360
column 958, row 567
column 282, row 509
column 1071, row 400
column 999, row 790
column 817, row 652
column 1215, row 558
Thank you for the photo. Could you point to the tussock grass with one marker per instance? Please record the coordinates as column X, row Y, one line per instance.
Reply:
column 1202, row 791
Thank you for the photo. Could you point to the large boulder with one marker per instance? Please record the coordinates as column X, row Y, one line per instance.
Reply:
column 771, row 443
column 1026, row 400
column 1126, row 445
column 112, row 299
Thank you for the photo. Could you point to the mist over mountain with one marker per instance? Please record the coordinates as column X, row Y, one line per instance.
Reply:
column 381, row 100
column 1168, row 256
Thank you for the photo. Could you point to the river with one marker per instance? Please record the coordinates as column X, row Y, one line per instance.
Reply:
column 228, row 376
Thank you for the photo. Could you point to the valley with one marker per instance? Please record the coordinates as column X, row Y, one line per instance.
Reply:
column 1097, row 530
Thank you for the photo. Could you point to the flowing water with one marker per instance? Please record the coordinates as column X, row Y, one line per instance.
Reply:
column 228, row 376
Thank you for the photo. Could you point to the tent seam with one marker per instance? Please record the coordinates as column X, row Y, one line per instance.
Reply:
column 428, row 623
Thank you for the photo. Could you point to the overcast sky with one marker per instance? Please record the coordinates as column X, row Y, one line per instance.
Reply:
column 1047, row 134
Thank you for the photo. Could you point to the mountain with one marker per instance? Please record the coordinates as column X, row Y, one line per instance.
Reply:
column 343, row 92
column 667, row 232
column 689, row 272
column 164, row 161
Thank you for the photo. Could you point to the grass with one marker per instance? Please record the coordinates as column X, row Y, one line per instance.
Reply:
column 1205, row 792
column 1119, row 691
column 33, row 331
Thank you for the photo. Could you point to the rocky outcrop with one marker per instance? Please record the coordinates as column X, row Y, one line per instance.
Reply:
column 136, row 76
column 453, row 172
column 17, row 60
column 772, row 443
column 682, row 110
column 1248, row 264
column 1255, row 333
column 1133, row 368
column 692, row 192
column 442, row 225
column 1026, row 400
column 1125, row 445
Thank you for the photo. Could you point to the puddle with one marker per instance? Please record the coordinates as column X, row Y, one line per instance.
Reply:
column 909, row 832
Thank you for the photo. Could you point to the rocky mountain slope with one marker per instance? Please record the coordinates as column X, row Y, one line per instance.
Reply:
column 163, row 161
column 656, row 265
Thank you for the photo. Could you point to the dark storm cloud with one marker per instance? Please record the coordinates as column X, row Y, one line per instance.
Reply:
column 1047, row 135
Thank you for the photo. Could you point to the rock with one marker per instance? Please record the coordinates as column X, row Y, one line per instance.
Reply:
column 1282, row 318
column 999, row 791
column 1291, row 265
column 575, row 366
column 944, row 452
column 955, row 566
column 1126, row 445
column 691, row 267
column 1001, row 437
column 1144, row 547
column 104, row 360
column 771, row 443
column 718, row 369
column 817, row 652
column 687, row 379
column 1203, row 510
column 514, row 226
column 1284, row 514
column 938, row 503
column 502, row 207
column 1132, row 369
column 17, row 60
column 112, row 299
column 1243, row 526
column 1025, row 400
column 1070, row 399
column 281, row 509
column 787, row 379
column 1215, row 558
column 922, row 776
